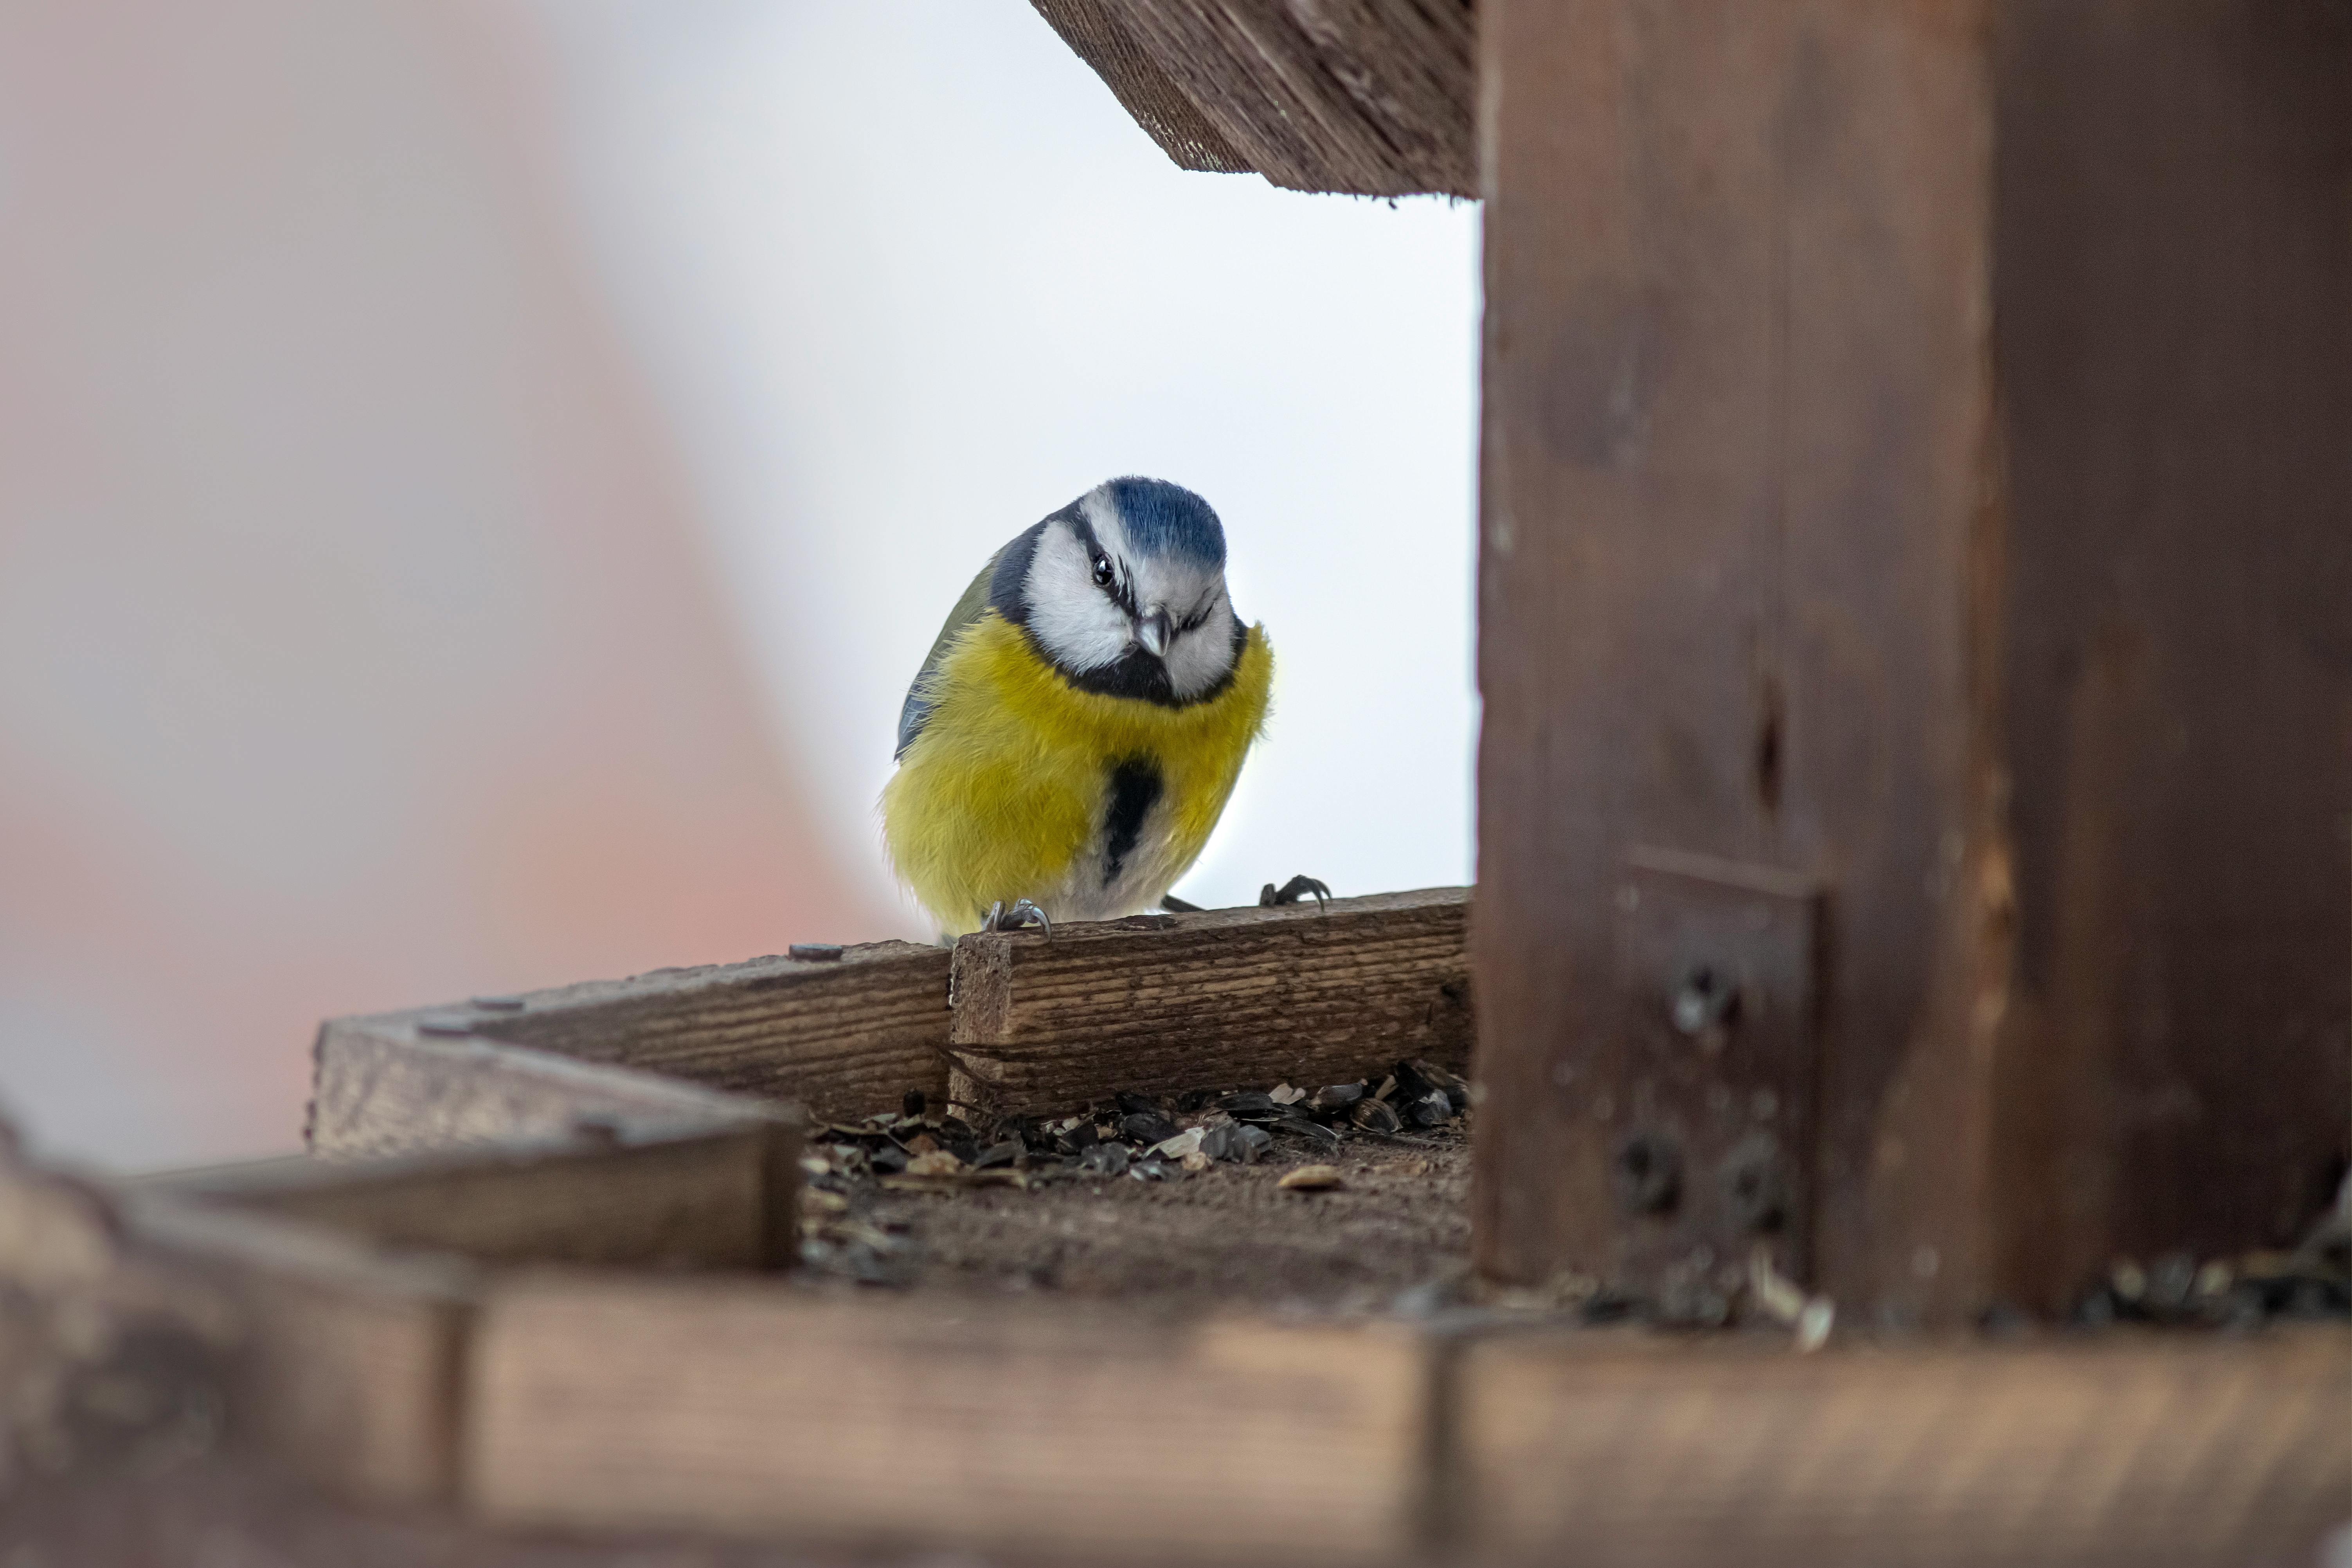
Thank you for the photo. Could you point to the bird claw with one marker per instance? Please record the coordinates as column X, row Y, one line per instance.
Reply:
column 1021, row 914
column 1293, row 891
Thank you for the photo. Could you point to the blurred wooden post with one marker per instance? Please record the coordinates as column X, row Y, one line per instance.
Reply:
column 1915, row 637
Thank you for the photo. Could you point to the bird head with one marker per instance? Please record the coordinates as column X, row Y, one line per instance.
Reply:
column 1124, row 590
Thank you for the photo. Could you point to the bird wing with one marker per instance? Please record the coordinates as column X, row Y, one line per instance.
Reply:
column 967, row 609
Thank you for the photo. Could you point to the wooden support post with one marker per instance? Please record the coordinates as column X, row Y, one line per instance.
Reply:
column 1916, row 491
column 1217, row 999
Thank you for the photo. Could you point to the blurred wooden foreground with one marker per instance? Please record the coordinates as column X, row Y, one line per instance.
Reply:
column 572, row 1320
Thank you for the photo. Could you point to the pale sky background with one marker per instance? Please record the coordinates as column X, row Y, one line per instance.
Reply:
column 906, row 278
column 477, row 476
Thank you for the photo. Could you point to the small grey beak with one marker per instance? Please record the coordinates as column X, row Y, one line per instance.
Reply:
column 1154, row 631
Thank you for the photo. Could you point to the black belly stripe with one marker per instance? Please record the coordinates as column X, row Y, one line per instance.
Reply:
column 1134, row 790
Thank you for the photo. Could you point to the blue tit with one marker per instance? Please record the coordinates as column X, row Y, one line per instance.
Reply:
column 1074, row 735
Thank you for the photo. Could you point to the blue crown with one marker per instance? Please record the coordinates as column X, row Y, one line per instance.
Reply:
column 1168, row 520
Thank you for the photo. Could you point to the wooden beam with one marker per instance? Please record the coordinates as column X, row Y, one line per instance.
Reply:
column 2174, row 342
column 1224, row 997
column 843, row 1037
column 1913, row 473
column 2146, row 1449
column 1027, row 1426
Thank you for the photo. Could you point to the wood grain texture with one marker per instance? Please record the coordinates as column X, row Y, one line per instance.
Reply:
column 2175, row 341
column 2196, row 1449
column 380, row 1086
column 1097, row 33
column 722, row 1199
column 843, row 1039
column 1368, row 96
column 1738, row 394
column 1216, row 999
column 1913, row 461
column 350, row 1369
column 1030, row 1426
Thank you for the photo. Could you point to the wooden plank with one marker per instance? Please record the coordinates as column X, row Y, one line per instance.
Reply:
column 1860, row 427
column 2191, row 1449
column 1099, row 35
column 891, row 1423
column 381, row 1087
column 1368, row 97
column 721, row 1199
column 1223, row 997
column 844, row 1039
column 349, row 1368
column 356, row 1281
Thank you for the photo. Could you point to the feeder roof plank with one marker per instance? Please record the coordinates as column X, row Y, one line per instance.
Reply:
column 1370, row 98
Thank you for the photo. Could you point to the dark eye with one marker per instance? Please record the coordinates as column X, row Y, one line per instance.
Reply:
column 1102, row 569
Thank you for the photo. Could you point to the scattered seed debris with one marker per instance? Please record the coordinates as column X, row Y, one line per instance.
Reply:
column 1180, row 1147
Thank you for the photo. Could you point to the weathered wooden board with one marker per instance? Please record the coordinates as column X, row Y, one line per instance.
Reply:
column 350, row 1369
column 1369, row 97
column 597, row 1399
column 1217, row 998
column 2183, row 1449
column 844, row 1039
column 381, row 1086
column 1029, row 1426
column 1914, row 469
column 721, row 1199
column 357, row 1279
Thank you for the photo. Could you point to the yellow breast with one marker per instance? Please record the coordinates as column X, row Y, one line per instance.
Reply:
column 1006, row 785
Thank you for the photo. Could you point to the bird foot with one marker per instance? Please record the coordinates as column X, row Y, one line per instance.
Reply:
column 1293, row 891
column 1021, row 914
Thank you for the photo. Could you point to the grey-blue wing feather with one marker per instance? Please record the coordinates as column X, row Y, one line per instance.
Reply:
column 967, row 609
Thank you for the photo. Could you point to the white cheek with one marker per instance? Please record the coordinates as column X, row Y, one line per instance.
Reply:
column 1201, row 656
column 1069, row 614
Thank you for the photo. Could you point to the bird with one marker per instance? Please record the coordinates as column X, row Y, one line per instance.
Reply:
column 1077, row 727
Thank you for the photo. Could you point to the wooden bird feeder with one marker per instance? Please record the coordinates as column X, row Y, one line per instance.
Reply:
column 1915, row 862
